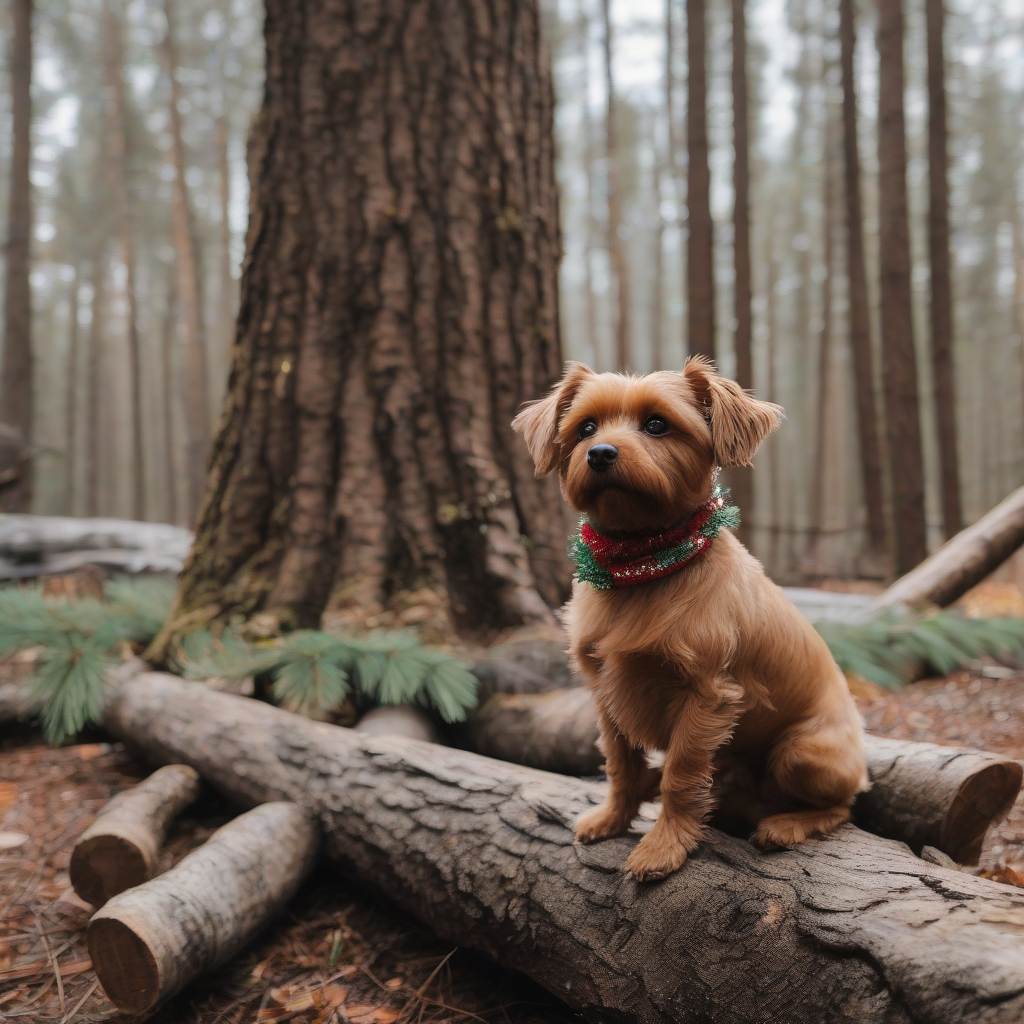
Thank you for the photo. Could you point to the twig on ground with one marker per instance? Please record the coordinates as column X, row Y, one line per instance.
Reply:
column 81, row 1002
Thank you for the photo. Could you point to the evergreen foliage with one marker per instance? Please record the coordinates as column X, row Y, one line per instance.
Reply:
column 888, row 650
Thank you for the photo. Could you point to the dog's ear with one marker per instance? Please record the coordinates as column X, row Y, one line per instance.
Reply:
column 738, row 421
column 539, row 420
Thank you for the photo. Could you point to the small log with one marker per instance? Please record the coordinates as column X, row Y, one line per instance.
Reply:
column 961, row 563
column 850, row 927
column 921, row 794
column 149, row 942
column 944, row 797
column 13, row 702
column 120, row 848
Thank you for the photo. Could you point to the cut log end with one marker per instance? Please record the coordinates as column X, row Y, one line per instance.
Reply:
column 984, row 799
column 104, row 865
column 126, row 965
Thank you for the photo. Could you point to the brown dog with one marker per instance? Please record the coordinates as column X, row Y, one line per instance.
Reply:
column 690, row 649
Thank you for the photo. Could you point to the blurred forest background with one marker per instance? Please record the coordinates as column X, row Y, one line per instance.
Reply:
column 140, row 113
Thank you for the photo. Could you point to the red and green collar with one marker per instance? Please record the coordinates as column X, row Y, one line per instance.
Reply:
column 626, row 559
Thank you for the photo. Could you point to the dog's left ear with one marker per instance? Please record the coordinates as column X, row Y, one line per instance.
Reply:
column 738, row 421
column 538, row 422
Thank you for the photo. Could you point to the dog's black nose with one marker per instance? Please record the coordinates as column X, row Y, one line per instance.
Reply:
column 602, row 457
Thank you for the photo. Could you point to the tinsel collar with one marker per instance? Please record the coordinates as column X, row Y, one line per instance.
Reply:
column 625, row 559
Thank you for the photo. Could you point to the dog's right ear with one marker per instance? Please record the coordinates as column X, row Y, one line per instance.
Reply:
column 539, row 420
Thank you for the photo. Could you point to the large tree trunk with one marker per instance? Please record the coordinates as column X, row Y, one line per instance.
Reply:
column 117, row 160
column 741, row 479
column 190, row 300
column 943, row 368
column 859, row 312
column 899, row 362
column 616, row 249
column 399, row 303
column 16, row 377
column 700, row 250
column 850, row 927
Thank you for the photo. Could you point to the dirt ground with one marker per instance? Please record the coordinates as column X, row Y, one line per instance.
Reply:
column 341, row 953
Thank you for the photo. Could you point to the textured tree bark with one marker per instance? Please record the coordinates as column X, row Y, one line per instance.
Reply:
column 847, row 928
column 120, row 848
column 16, row 369
column 190, row 293
column 399, row 303
column 859, row 311
column 149, row 942
column 117, row 162
column 943, row 365
column 899, row 362
column 616, row 250
column 741, row 479
column 922, row 794
column 700, row 255
column 961, row 562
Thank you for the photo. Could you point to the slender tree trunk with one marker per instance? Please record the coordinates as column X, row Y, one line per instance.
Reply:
column 700, row 256
column 189, row 290
column 822, row 434
column 943, row 368
column 117, row 155
column 616, row 249
column 589, row 227
column 226, row 298
column 170, row 457
column 658, row 264
column 902, row 414
column 741, row 479
column 71, row 397
column 397, row 308
column 94, row 414
column 859, row 315
column 16, row 376
column 775, row 463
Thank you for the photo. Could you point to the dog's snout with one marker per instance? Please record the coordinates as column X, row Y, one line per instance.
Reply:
column 602, row 457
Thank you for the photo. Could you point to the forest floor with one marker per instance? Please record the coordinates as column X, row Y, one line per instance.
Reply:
column 343, row 953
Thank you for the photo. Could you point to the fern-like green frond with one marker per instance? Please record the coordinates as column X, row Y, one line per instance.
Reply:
column 68, row 685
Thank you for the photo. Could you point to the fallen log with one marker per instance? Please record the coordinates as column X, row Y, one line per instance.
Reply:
column 847, row 928
column 120, row 848
column 13, row 702
column 921, row 794
column 151, row 941
column 961, row 563
column 398, row 720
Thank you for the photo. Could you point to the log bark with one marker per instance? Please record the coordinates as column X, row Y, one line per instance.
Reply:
column 922, row 794
column 151, row 941
column 961, row 562
column 851, row 927
column 120, row 848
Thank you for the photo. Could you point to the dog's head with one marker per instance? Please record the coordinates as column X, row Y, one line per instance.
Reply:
column 639, row 453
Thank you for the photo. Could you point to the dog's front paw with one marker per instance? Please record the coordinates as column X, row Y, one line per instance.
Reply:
column 662, row 851
column 601, row 823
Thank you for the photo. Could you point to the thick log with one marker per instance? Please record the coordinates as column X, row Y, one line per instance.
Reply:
column 847, row 928
column 149, row 942
column 120, row 848
column 921, row 794
column 962, row 562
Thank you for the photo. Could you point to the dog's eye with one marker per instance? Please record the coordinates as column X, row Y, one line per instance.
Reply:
column 655, row 425
column 589, row 429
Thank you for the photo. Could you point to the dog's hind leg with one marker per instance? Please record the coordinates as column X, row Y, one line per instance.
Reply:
column 820, row 765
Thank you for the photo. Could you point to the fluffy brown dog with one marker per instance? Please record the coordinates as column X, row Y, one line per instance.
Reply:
column 710, row 664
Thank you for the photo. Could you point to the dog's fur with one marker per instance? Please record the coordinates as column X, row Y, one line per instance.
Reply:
column 712, row 664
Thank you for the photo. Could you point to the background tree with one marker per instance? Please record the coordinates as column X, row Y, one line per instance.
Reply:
column 899, row 362
column 16, row 377
column 943, row 369
column 399, row 303
column 700, row 256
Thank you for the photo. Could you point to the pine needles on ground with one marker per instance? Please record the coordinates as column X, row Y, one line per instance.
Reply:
column 889, row 651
